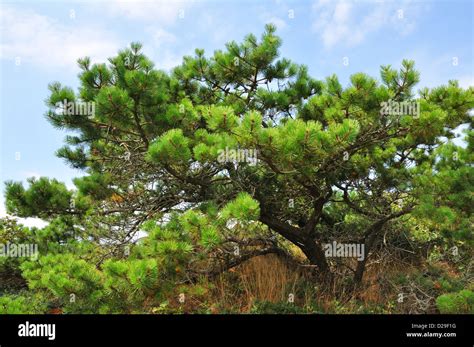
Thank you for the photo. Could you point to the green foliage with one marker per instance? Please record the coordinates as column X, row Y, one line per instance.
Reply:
column 220, row 118
column 74, row 282
column 243, row 207
column 95, row 185
column 16, row 304
column 460, row 302
column 160, row 205
column 44, row 198
column 172, row 147
column 266, row 307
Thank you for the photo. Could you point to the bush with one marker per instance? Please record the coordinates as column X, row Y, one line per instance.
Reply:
column 461, row 302
column 17, row 304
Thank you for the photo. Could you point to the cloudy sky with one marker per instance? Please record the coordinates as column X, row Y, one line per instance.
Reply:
column 40, row 42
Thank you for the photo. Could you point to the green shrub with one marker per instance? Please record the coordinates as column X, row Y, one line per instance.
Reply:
column 460, row 302
column 16, row 304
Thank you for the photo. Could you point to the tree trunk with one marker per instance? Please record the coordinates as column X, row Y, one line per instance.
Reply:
column 360, row 269
column 306, row 243
column 369, row 240
column 316, row 256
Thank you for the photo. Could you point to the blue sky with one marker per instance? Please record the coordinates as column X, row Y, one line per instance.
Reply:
column 41, row 40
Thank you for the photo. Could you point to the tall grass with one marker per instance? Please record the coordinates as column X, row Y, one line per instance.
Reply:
column 267, row 278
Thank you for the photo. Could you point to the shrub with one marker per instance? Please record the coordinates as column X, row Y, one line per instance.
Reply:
column 460, row 302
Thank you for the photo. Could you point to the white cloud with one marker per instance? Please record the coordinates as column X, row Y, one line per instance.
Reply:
column 169, row 61
column 278, row 22
column 160, row 36
column 164, row 12
column 165, row 59
column 28, row 174
column 45, row 42
column 32, row 222
column 208, row 22
column 349, row 23
column 156, row 16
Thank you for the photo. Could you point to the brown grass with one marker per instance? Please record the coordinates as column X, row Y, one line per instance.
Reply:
column 271, row 278
column 267, row 278
column 263, row 278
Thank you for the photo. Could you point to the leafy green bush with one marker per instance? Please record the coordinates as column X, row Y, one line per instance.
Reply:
column 460, row 302
column 17, row 304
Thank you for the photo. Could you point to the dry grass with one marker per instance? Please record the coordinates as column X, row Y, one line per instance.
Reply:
column 271, row 278
column 378, row 287
column 263, row 278
column 267, row 278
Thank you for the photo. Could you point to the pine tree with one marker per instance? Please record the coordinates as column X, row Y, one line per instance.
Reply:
column 329, row 166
